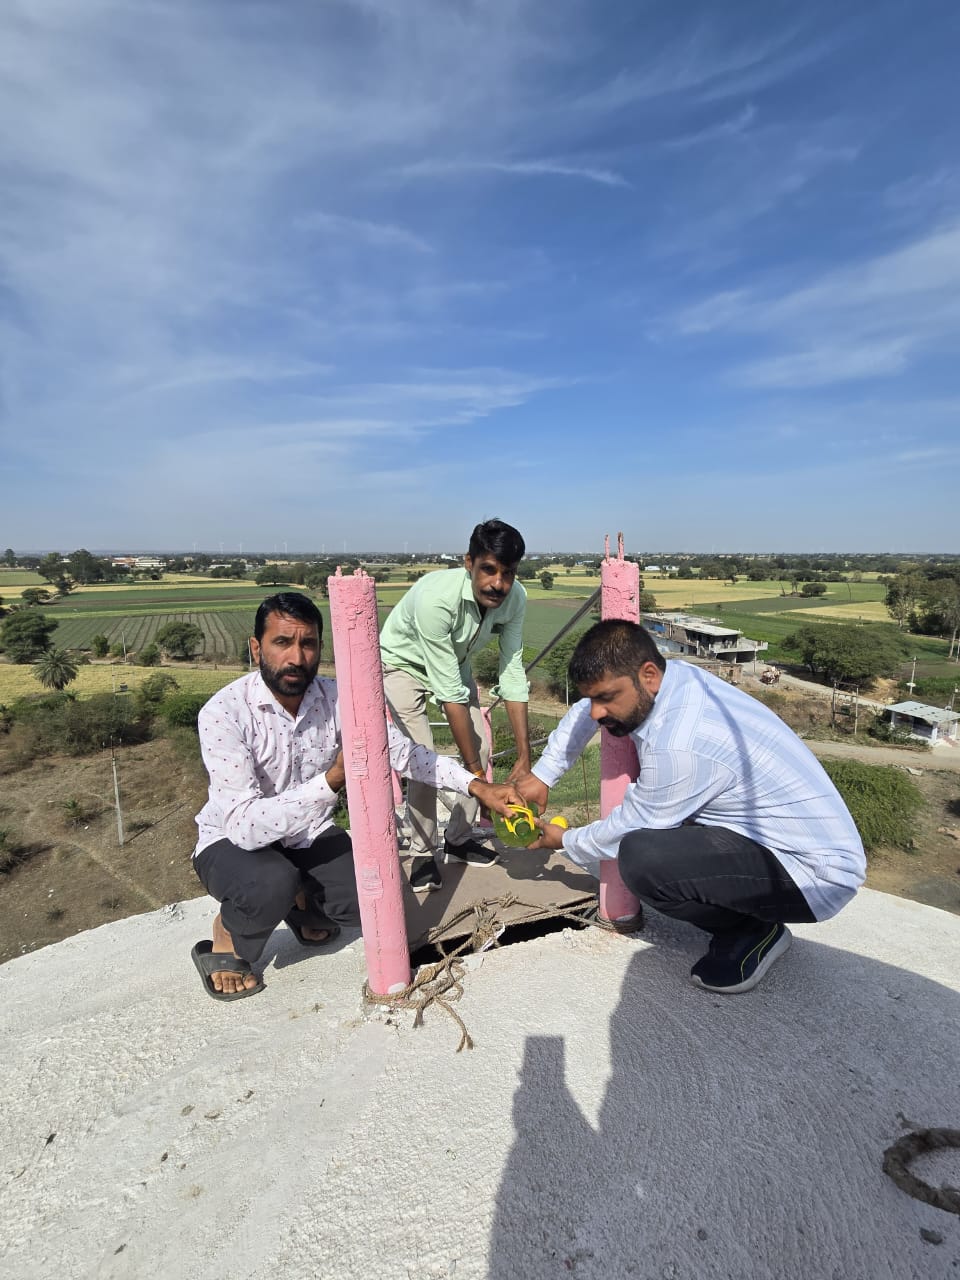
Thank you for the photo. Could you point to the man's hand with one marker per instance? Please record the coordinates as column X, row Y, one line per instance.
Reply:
column 531, row 788
column 520, row 769
column 551, row 837
column 496, row 796
column 337, row 774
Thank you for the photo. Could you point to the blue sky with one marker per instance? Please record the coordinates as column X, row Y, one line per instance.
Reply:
column 364, row 273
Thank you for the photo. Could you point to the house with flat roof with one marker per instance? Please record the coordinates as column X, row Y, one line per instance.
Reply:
column 931, row 724
column 704, row 637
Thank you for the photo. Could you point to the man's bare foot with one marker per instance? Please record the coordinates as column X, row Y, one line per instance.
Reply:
column 227, row 980
column 310, row 934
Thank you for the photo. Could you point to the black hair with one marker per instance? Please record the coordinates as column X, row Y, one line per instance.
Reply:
column 494, row 538
column 294, row 604
column 613, row 648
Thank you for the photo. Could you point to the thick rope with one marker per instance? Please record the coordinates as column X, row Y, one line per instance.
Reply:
column 896, row 1162
column 442, row 983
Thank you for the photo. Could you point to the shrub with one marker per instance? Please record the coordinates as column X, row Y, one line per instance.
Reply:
column 153, row 690
column 101, row 721
column 181, row 710
column 882, row 800
column 100, row 646
column 486, row 665
column 78, row 812
column 149, row 655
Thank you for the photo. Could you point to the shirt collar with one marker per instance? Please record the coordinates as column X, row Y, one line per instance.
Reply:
column 262, row 697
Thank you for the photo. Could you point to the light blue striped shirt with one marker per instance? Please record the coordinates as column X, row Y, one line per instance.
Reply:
column 712, row 753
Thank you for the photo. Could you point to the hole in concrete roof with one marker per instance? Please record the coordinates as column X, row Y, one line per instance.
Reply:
column 523, row 932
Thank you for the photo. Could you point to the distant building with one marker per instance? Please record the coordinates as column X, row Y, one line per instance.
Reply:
column 927, row 723
column 149, row 562
column 703, row 638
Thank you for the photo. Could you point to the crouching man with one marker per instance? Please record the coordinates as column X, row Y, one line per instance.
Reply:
column 732, row 823
column 268, row 848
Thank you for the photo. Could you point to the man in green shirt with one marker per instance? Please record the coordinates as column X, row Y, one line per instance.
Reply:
column 426, row 643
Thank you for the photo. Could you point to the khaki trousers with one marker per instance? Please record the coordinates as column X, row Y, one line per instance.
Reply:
column 407, row 699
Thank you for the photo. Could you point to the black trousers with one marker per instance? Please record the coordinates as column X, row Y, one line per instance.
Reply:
column 711, row 877
column 257, row 888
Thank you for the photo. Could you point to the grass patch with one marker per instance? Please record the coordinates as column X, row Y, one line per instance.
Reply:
column 882, row 801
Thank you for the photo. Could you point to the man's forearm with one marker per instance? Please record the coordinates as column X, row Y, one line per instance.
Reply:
column 520, row 725
column 458, row 718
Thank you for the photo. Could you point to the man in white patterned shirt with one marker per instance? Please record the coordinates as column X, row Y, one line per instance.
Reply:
column 268, row 848
column 732, row 824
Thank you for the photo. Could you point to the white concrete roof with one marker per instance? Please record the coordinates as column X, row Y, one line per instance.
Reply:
column 612, row 1120
column 923, row 711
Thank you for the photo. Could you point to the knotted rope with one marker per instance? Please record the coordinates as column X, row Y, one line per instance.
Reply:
column 442, row 983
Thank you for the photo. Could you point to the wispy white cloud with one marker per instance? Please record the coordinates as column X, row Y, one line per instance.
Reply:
column 867, row 320
column 515, row 168
column 732, row 127
column 377, row 235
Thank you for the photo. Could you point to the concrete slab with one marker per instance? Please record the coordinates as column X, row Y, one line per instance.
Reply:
column 612, row 1120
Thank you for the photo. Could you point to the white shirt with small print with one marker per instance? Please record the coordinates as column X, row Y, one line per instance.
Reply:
column 711, row 754
column 268, row 768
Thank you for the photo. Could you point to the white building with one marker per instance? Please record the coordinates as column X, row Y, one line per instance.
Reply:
column 930, row 724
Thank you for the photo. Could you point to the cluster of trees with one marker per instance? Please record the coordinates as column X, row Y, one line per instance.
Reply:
column 848, row 654
column 927, row 601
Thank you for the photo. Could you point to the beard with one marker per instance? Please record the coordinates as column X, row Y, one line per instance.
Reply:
column 288, row 681
column 621, row 728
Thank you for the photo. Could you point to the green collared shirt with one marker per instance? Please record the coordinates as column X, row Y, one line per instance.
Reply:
column 437, row 626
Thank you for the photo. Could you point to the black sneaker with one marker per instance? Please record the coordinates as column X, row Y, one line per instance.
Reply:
column 736, row 962
column 424, row 876
column 471, row 852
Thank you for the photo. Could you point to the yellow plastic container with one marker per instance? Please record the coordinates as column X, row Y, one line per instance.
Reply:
column 521, row 830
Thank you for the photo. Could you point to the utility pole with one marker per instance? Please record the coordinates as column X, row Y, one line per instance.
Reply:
column 911, row 683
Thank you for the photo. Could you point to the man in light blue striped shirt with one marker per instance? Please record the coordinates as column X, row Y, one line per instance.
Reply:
column 732, row 824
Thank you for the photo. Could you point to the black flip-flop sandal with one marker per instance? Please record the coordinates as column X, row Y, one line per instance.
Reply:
column 209, row 962
column 296, row 923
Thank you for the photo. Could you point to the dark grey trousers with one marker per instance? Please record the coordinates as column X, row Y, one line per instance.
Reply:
column 257, row 888
column 711, row 877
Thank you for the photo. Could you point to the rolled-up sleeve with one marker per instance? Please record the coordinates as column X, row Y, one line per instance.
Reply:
column 250, row 819
column 672, row 786
column 566, row 743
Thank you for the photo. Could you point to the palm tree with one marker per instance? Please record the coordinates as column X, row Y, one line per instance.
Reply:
column 55, row 669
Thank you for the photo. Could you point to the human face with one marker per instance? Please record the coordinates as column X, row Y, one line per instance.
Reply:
column 620, row 704
column 288, row 655
column 491, row 580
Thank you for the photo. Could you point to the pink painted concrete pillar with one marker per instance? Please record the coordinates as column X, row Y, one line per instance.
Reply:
column 619, row 598
column 363, row 720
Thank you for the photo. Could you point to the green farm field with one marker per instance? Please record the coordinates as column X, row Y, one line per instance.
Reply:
column 19, row 681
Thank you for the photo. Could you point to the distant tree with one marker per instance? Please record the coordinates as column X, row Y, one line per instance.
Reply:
column 648, row 602
column 100, row 645
column 855, row 654
column 10, row 558
column 25, row 635
column 30, row 597
column 149, row 656
column 813, row 589
column 904, row 593
column 55, row 669
column 526, row 571
column 86, row 567
column 180, row 639
column 546, row 580
column 51, row 566
column 271, row 575
column 685, row 571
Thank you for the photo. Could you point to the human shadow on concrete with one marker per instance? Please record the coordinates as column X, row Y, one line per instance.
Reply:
column 738, row 1136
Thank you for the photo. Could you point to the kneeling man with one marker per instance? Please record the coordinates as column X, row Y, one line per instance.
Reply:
column 268, row 848
column 732, row 823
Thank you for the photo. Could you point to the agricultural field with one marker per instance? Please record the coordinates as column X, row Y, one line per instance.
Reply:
column 20, row 682
column 13, row 580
